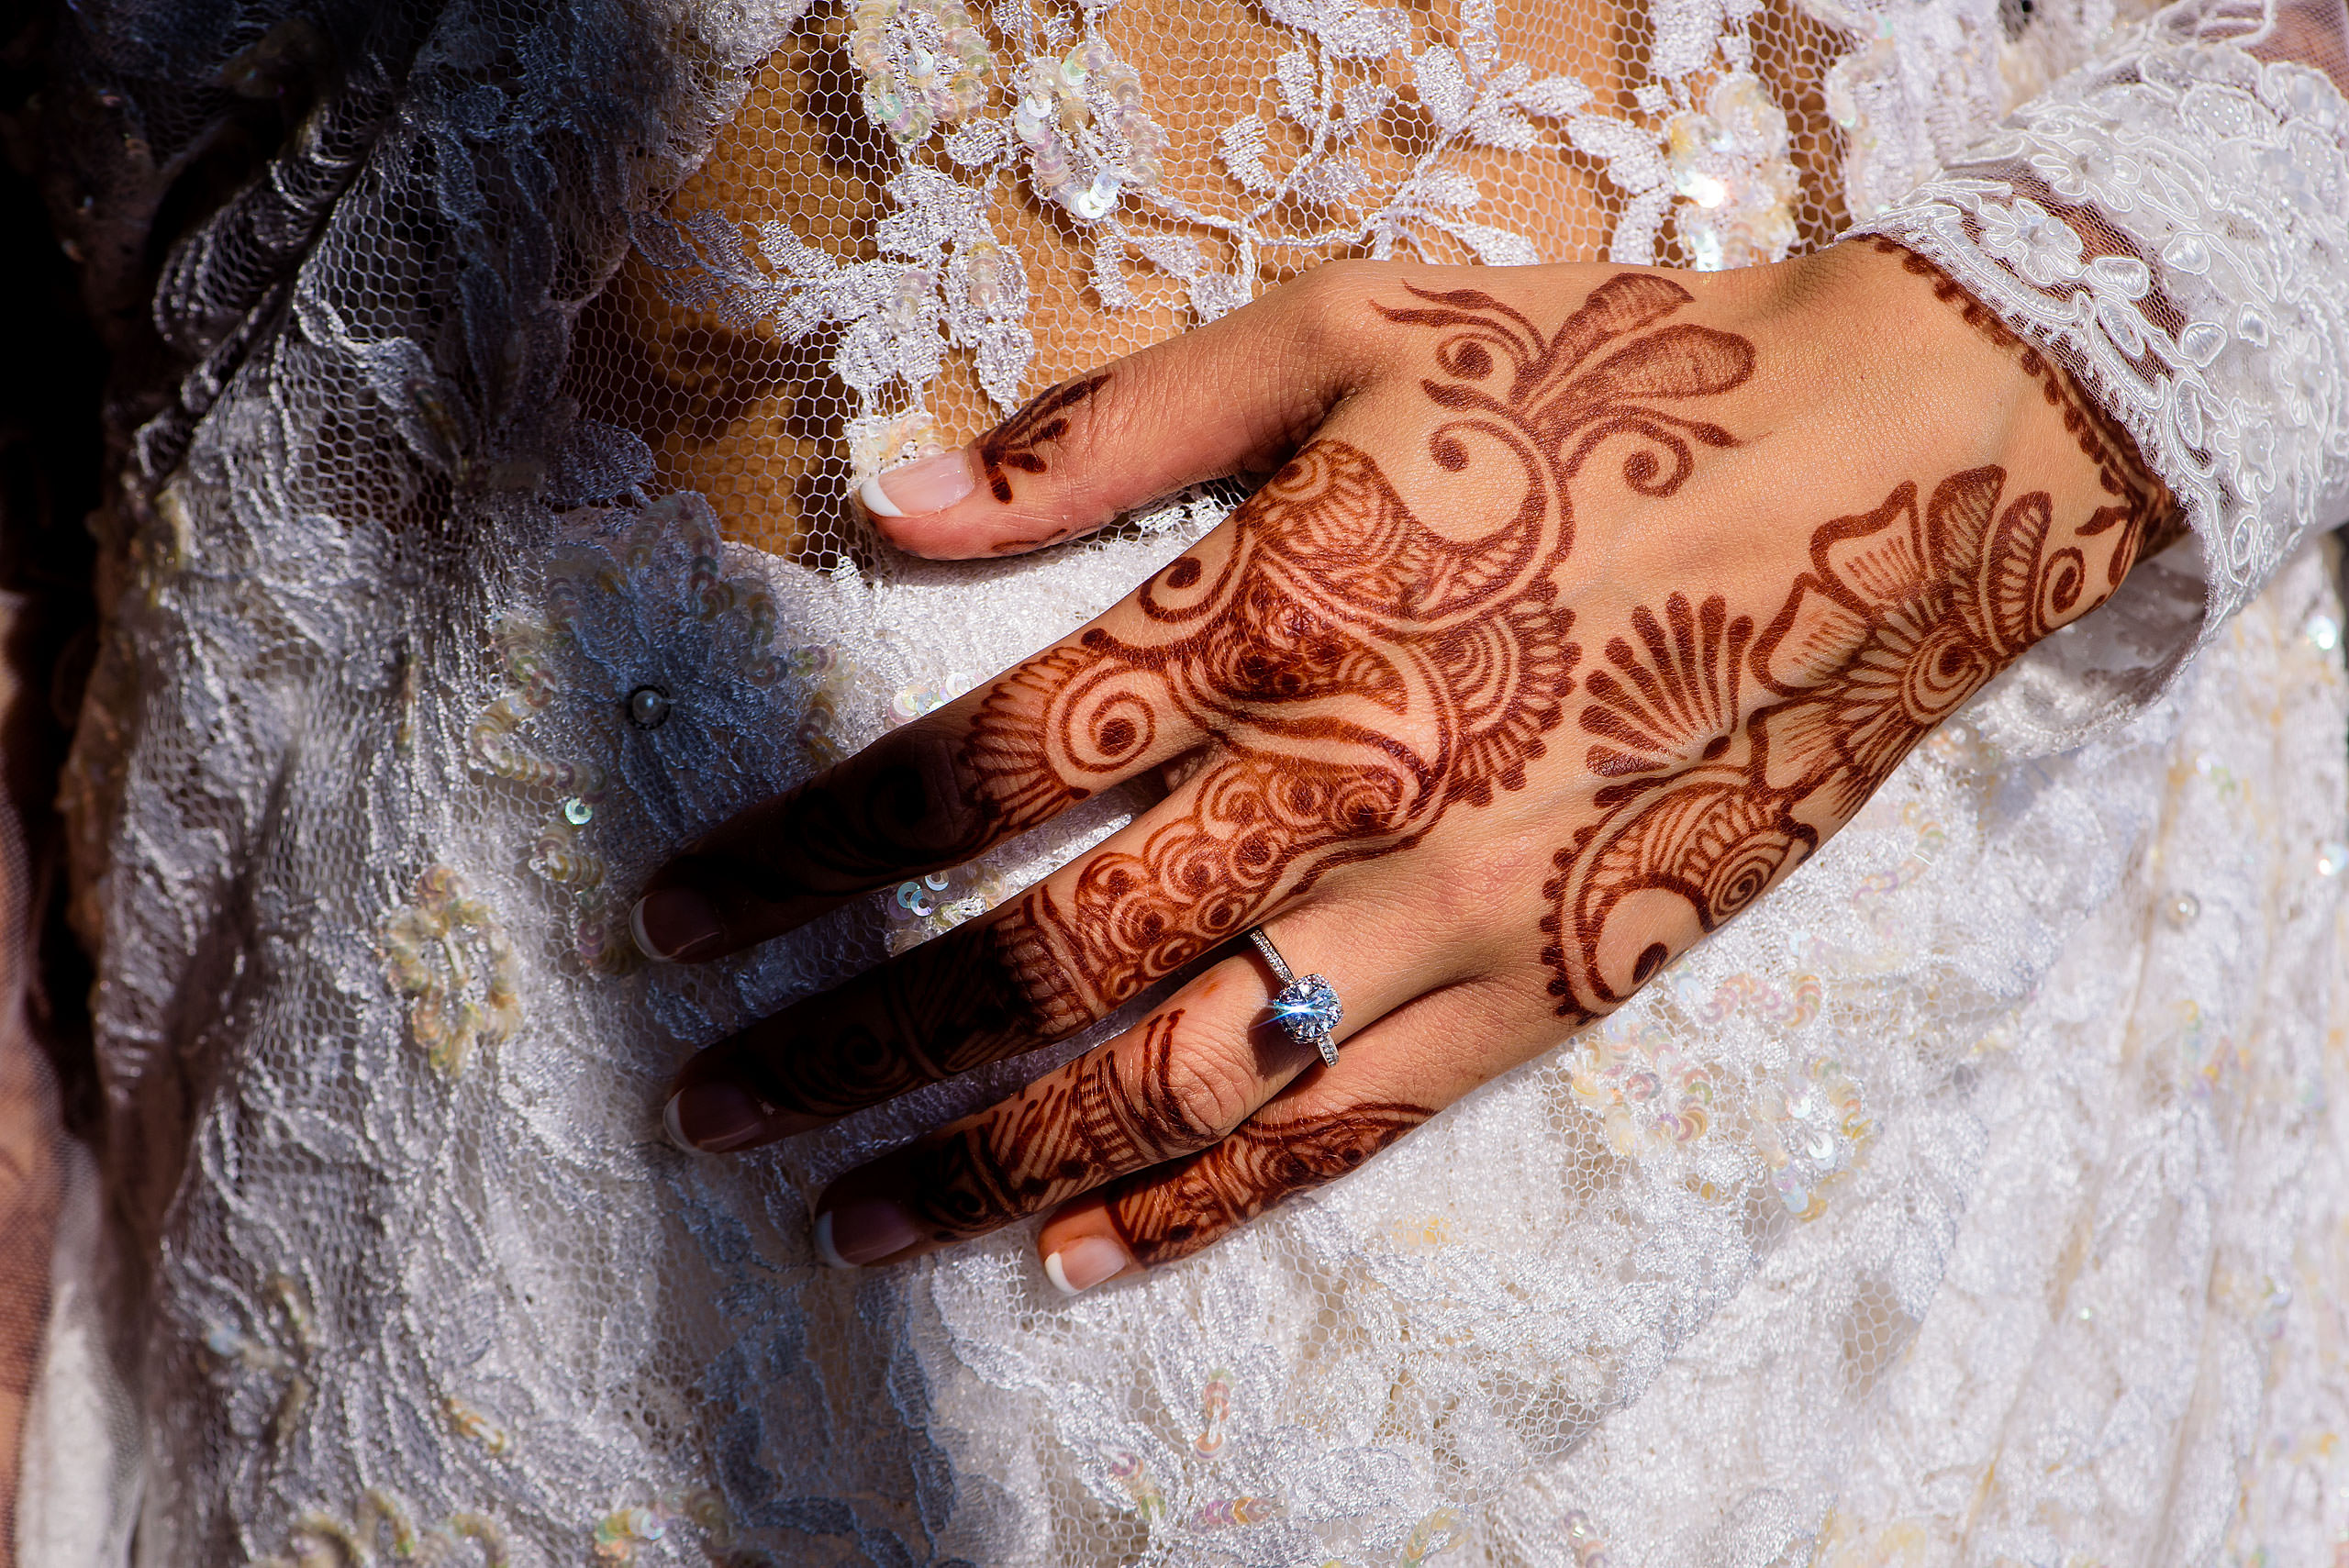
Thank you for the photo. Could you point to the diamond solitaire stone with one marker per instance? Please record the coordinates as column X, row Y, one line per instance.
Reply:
column 1308, row 1008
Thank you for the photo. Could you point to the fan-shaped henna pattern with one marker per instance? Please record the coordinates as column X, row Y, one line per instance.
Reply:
column 1905, row 613
column 1357, row 672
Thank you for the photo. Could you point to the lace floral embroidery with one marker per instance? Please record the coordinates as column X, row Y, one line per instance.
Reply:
column 2169, row 225
column 1070, row 130
column 447, row 952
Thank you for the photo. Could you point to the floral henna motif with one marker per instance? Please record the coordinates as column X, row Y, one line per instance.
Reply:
column 1905, row 613
column 1042, row 420
column 1355, row 670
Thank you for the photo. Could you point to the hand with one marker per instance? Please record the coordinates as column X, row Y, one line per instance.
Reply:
column 1588, row 602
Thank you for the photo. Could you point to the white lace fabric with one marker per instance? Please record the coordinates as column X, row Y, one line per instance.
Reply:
column 2172, row 223
column 1976, row 1198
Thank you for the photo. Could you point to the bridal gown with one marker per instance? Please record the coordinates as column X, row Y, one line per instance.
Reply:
column 1980, row 1198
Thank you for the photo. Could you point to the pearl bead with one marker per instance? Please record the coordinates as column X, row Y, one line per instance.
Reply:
column 648, row 708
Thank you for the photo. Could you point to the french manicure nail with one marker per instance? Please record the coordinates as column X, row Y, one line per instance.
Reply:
column 1086, row 1263
column 674, row 924
column 712, row 1118
column 931, row 486
column 863, row 1230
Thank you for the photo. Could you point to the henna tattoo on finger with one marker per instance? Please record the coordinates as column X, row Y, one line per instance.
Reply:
column 1165, row 1215
column 1017, row 445
column 1114, row 1111
column 939, row 1010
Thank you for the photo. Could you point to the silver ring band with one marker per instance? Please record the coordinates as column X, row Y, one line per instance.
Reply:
column 1307, row 1008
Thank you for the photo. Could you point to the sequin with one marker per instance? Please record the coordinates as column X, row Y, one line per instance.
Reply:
column 1428, row 1537
column 319, row 1539
column 912, row 702
column 1231, row 1513
column 1217, row 1403
column 468, row 1422
column 1149, row 1501
column 619, row 1536
column 1729, row 163
column 1644, row 1091
column 1087, row 137
column 2180, row 911
column 2324, row 633
column 2333, row 859
column 577, row 812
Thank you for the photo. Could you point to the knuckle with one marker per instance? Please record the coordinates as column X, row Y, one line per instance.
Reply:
column 906, row 788
column 1038, row 995
column 1206, row 1093
column 1332, row 320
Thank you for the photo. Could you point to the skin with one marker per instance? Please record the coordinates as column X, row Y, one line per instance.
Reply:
column 1583, row 604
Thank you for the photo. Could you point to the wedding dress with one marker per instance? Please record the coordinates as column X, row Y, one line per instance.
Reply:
column 1982, row 1197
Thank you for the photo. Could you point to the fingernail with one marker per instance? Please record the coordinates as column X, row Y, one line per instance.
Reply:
column 1086, row 1263
column 931, row 486
column 861, row 1232
column 711, row 1117
column 674, row 924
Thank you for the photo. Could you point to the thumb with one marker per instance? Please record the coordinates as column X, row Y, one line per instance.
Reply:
column 1236, row 395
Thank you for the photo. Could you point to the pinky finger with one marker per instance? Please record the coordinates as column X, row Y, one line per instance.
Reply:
column 1392, row 1077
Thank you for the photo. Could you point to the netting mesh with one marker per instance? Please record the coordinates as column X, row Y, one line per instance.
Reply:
column 738, row 387
column 363, row 791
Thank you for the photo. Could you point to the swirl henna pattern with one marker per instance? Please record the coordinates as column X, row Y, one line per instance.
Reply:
column 1903, row 616
column 1356, row 671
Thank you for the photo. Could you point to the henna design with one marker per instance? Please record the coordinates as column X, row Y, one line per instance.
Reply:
column 1037, row 422
column 2143, row 508
column 1904, row 613
column 941, row 1009
column 1059, row 1137
column 1166, row 1215
column 1357, row 670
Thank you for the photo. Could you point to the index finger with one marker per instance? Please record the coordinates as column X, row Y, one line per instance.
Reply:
column 1083, row 714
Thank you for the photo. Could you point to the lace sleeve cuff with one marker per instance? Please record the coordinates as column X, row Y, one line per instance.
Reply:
column 2172, row 225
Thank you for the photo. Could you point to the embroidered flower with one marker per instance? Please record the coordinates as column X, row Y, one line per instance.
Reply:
column 1730, row 165
column 2037, row 244
column 1808, row 1131
column 924, row 62
column 652, row 677
column 448, row 953
column 1646, row 1092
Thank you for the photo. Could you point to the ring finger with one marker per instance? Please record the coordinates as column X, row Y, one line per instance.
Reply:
column 1178, row 1082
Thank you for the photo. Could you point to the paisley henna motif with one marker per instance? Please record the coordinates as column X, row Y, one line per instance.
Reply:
column 1356, row 671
